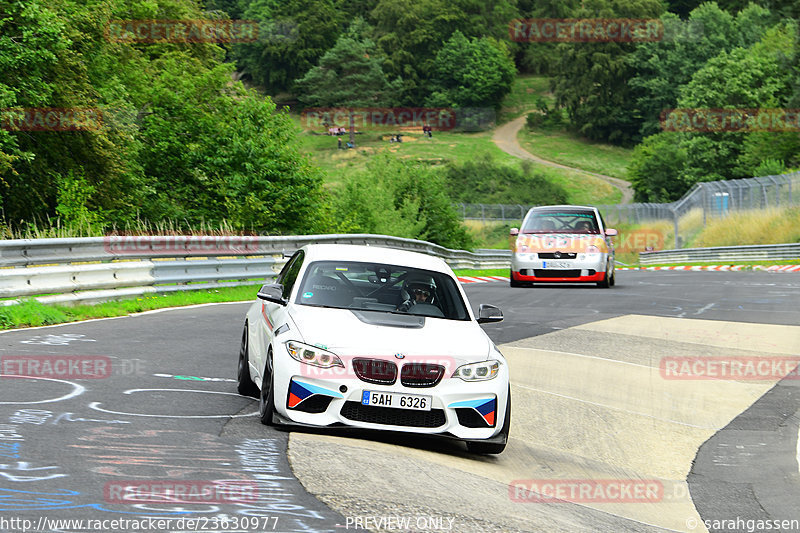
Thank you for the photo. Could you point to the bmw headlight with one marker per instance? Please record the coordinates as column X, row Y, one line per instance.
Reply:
column 312, row 355
column 482, row 371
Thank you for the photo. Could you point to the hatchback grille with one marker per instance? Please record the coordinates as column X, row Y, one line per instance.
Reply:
column 421, row 374
column 547, row 273
column 393, row 417
column 375, row 371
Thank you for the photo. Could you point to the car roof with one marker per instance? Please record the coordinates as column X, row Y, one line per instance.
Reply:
column 576, row 207
column 377, row 254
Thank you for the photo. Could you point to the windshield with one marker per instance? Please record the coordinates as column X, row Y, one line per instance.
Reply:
column 561, row 221
column 381, row 288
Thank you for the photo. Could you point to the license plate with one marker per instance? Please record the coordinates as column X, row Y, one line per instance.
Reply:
column 555, row 264
column 396, row 400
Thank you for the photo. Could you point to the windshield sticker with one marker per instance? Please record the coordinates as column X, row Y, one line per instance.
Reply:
column 308, row 294
column 341, row 269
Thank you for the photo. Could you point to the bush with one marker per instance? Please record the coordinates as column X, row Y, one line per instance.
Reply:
column 485, row 180
column 394, row 197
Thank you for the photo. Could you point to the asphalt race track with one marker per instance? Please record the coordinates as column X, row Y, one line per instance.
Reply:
column 150, row 401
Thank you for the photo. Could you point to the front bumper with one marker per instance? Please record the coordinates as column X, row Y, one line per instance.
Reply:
column 309, row 397
column 585, row 268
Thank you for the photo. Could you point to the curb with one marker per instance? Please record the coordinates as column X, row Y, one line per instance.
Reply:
column 481, row 279
column 723, row 268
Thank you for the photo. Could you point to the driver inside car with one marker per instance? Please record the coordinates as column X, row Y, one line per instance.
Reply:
column 417, row 290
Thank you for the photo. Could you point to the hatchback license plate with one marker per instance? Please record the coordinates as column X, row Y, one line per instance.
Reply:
column 555, row 264
column 396, row 400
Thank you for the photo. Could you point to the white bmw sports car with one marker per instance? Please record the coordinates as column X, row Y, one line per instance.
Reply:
column 375, row 338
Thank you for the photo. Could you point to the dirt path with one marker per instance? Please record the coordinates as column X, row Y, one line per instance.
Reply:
column 505, row 137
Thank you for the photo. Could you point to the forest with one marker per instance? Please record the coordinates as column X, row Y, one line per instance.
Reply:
column 188, row 130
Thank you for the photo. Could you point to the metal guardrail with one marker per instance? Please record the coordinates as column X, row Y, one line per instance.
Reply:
column 103, row 268
column 724, row 254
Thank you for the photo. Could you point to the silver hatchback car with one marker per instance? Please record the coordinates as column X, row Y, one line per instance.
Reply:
column 562, row 244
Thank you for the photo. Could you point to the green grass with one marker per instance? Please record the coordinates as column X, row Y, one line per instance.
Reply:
column 581, row 188
column 32, row 313
column 729, row 263
column 570, row 150
column 482, row 272
column 443, row 147
column 522, row 97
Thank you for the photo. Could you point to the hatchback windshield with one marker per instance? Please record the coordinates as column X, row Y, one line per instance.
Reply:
column 381, row 287
column 561, row 221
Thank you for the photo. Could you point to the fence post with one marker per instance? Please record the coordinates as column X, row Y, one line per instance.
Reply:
column 675, row 225
column 705, row 203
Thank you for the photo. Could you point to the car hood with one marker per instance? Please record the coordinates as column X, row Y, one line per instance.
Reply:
column 344, row 333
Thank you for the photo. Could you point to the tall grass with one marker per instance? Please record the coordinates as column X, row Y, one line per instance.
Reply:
column 766, row 226
column 52, row 228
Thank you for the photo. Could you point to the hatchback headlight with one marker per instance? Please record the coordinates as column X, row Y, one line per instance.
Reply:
column 312, row 355
column 482, row 371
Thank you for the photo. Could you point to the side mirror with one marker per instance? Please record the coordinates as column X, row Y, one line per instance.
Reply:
column 272, row 292
column 612, row 232
column 514, row 232
column 489, row 313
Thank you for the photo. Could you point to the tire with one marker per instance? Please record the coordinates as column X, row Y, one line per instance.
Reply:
column 490, row 448
column 245, row 385
column 606, row 283
column 266, row 397
column 613, row 280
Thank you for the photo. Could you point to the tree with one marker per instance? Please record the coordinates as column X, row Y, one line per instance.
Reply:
column 655, row 168
column 400, row 198
column 293, row 36
column 591, row 79
column 471, row 73
column 176, row 137
column 668, row 164
column 486, row 180
column 348, row 75
column 410, row 33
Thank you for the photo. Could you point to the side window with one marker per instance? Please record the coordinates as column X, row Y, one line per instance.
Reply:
column 288, row 275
